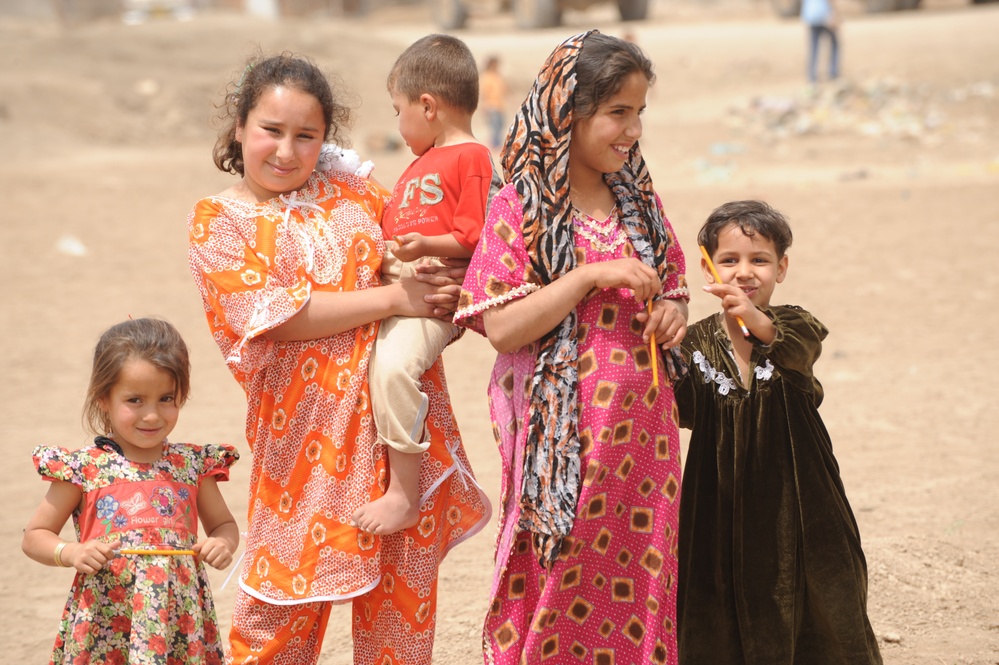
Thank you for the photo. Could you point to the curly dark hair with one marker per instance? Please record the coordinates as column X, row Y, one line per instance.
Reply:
column 263, row 73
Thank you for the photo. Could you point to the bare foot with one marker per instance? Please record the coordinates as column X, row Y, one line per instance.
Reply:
column 388, row 514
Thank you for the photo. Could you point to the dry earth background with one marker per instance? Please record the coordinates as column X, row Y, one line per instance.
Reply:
column 891, row 182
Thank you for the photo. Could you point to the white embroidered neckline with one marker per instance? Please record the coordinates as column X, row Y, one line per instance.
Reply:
column 764, row 373
column 724, row 383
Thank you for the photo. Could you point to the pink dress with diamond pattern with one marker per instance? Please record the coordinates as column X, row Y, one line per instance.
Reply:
column 610, row 599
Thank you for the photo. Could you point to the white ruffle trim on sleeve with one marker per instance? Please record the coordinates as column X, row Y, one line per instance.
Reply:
column 478, row 308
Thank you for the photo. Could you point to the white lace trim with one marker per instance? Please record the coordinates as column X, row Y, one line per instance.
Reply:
column 764, row 373
column 598, row 243
column 607, row 227
column 603, row 237
column 725, row 384
column 478, row 308
column 260, row 321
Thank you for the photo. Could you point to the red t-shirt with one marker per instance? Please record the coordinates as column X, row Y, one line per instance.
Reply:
column 444, row 190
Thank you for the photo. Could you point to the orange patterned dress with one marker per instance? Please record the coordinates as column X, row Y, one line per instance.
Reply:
column 309, row 422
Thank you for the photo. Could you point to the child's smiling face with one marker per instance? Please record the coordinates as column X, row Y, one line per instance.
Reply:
column 602, row 143
column 281, row 140
column 747, row 262
column 142, row 409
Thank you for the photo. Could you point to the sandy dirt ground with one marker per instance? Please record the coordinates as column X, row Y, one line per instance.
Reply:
column 891, row 182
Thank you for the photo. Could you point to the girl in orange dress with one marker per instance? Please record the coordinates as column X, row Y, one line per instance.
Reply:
column 287, row 262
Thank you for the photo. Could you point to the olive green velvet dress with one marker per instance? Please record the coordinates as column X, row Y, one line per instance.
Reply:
column 771, row 567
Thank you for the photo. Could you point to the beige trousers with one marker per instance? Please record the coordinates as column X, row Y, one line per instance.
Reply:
column 406, row 348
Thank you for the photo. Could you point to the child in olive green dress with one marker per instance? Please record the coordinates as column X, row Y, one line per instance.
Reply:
column 771, row 570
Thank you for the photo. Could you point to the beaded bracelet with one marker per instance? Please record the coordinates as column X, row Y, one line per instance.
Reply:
column 57, row 555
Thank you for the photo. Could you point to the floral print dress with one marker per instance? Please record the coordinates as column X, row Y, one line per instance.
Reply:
column 309, row 423
column 139, row 609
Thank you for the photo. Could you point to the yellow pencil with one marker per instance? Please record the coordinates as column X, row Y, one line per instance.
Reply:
column 711, row 267
column 159, row 552
column 654, row 356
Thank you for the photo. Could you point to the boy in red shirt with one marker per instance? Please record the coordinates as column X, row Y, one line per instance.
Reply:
column 437, row 210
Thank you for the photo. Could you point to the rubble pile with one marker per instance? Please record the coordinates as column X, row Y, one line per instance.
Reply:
column 881, row 108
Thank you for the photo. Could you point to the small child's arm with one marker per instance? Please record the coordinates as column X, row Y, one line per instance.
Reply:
column 412, row 246
column 222, row 534
column 41, row 536
column 466, row 220
column 797, row 340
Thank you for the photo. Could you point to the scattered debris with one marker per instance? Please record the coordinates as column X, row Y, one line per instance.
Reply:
column 71, row 246
column 137, row 12
column 881, row 108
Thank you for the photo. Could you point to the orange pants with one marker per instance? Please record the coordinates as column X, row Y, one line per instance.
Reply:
column 263, row 633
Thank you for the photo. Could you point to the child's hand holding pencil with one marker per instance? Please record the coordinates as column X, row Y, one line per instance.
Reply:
column 665, row 324
column 718, row 280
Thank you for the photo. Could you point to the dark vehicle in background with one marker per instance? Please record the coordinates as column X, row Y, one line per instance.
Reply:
column 789, row 8
column 529, row 14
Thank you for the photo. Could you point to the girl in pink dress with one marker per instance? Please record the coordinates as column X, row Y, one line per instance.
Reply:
column 576, row 270
column 140, row 594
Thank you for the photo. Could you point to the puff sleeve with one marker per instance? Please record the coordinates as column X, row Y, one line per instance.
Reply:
column 217, row 459
column 54, row 463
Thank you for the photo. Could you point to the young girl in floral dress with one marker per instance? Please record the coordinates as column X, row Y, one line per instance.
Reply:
column 140, row 594
column 577, row 268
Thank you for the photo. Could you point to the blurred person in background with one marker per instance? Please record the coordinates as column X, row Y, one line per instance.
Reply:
column 492, row 101
column 822, row 20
